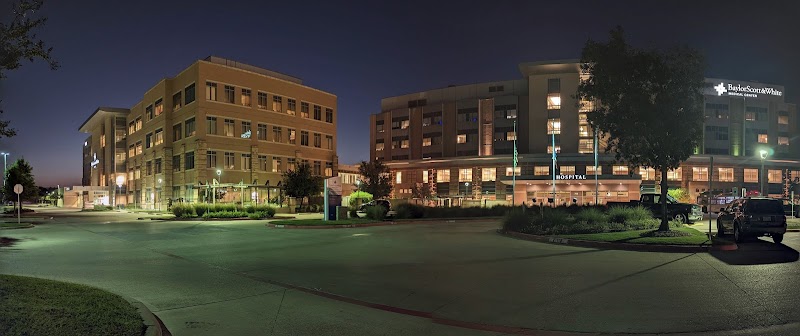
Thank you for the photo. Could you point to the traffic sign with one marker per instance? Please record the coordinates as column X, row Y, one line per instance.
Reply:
column 18, row 189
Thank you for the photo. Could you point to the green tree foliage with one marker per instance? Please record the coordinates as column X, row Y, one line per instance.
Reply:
column 375, row 178
column 18, row 42
column 359, row 197
column 20, row 172
column 680, row 194
column 648, row 103
column 301, row 183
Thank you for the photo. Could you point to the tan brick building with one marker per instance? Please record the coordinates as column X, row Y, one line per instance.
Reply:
column 218, row 124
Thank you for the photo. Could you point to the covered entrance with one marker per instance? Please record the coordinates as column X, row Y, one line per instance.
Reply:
column 579, row 192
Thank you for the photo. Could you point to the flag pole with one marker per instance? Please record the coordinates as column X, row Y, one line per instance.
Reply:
column 554, row 166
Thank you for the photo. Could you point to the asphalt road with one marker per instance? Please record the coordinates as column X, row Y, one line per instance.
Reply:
column 237, row 277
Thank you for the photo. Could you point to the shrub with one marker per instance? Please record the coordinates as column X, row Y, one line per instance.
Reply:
column 624, row 215
column 353, row 212
column 259, row 208
column 201, row 209
column 591, row 216
column 408, row 210
column 100, row 207
column 517, row 221
column 225, row 214
column 258, row 215
column 376, row 212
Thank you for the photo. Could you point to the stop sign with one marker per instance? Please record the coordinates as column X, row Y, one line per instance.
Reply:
column 18, row 189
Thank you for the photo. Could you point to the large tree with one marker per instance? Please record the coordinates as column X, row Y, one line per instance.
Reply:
column 301, row 183
column 648, row 103
column 375, row 178
column 20, row 172
column 18, row 42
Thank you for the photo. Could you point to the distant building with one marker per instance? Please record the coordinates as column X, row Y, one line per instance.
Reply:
column 218, row 124
column 459, row 139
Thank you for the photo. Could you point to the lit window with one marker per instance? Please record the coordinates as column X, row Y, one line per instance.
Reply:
column 211, row 91
column 553, row 101
column 583, row 130
column 783, row 120
column 675, row 174
column 246, row 96
column 488, row 174
column 586, row 106
column 517, row 171
column 750, row 116
column 699, row 173
column 566, row 170
column 751, row 175
column 590, row 170
column 159, row 107
column 465, row 175
column 511, row 136
column 404, row 124
column 461, row 138
column 404, row 143
column 398, row 177
column 586, row 146
column 774, row 176
column 782, row 140
column 247, row 161
column 762, row 138
column 262, row 100
column 443, row 175
column 227, row 130
column 550, row 149
column 583, row 118
column 425, row 176
column 648, row 174
column 620, row 170
column 511, row 114
column 725, row 174
column 541, row 170
column 554, row 126
column 426, row 142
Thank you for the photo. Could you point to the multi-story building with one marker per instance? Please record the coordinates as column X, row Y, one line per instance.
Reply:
column 217, row 127
column 460, row 140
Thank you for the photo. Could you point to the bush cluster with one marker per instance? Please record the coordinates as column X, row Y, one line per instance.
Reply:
column 554, row 221
column 407, row 211
column 376, row 212
column 222, row 211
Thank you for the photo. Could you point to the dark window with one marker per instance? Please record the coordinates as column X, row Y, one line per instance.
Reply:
column 149, row 112
column 304, row 138
column 317, row 112
column 189, row 128
column 553, row 85
column 148, row 140
column 229, row 94
column 328, row 115
column 177, row 132
column 188, row 94
column 188, row 160
column 158, row 165
column 177, row 101
column 176, row 162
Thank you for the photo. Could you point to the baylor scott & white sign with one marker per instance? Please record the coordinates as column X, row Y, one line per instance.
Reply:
column 749, row 91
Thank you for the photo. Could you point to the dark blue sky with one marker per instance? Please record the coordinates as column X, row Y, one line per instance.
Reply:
column 111, row 52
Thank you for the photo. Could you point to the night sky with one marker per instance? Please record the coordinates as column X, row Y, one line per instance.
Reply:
column 111, row 52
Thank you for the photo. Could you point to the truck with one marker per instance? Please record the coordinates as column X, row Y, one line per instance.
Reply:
column 683, row 212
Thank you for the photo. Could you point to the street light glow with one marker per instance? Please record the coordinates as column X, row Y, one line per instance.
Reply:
column 219, row 172
column 763, row 153
column 120, row 180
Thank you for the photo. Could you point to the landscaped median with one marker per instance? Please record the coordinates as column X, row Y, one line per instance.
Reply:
column 322, row 224
column 227, row 211
column 32, row 306
column 614, row 228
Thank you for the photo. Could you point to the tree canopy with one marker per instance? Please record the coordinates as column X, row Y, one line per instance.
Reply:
column 20, row 172
column 375, row 178
column 648, row 103
column 301, row 183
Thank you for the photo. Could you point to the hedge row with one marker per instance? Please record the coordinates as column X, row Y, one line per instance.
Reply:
column 587, row 220
column 407, row 210
column 222, row 211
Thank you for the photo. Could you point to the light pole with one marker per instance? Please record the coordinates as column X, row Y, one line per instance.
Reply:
column 5, row 157
column 219, row 177
column 120, row 182
column 763, row 154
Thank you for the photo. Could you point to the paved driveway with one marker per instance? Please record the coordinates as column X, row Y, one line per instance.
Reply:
column 225, row 278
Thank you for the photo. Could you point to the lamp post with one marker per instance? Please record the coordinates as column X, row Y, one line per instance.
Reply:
column 763, row 154
column 120, row 182
column 214, row 196
column 466, row 189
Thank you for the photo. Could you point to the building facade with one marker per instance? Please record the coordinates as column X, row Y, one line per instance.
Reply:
column 460, row 140
column 217, row 128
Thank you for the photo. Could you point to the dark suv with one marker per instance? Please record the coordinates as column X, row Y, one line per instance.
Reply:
column 753, row 216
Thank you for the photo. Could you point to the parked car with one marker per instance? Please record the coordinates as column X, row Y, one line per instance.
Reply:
column 753, row 216
column 382, row 203
column 683, row 212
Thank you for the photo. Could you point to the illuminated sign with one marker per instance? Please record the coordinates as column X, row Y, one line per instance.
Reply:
column 745, row 91
column 95, row 161
column 246, row 135
column 571, row 177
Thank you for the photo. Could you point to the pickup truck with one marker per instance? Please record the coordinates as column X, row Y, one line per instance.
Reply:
column 684, row 212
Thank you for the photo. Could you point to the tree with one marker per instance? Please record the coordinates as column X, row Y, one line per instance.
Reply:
column 18, row 42
column 301, row 183
column 375, row 178
column 421, row 190
column 648, row 103
column 359, row 197
column 20, row 172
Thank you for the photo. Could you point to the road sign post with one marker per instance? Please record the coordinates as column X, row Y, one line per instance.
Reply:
column 18, row 190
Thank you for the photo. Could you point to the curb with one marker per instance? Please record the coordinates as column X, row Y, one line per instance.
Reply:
column 154, row 325
column 351, row 226
column 619, row 246
column 30, row 225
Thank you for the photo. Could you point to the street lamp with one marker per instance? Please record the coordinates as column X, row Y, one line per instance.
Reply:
column 763, row 154
column 466, row 189
column 219, row 177
column 120, row 182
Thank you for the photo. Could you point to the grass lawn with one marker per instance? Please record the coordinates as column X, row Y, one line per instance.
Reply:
column 793, row 223
column 634, row 237
column 322, row 222
column 31, row 306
